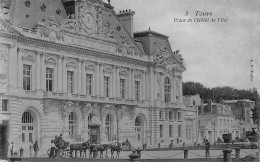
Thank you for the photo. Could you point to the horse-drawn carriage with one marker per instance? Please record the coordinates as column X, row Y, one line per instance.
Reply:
column 65, row 149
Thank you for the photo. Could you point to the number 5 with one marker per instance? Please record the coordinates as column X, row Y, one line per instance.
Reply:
column 187, row 13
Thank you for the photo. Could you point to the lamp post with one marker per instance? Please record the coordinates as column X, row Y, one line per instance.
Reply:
column 214, row 133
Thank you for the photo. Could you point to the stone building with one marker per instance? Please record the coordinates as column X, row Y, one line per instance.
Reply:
column 76, row 68
column 242, row 110
column 215, row 120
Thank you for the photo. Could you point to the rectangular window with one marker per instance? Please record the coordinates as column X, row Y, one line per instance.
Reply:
column 170, row 115
column 161, row 130
column 170, row 130
column 70, row 81
column 106, row 86
column 122, row 88
column 89, row 84
column 179, row 115
column 49, row 79
column 27, row 77
column 137, row 90
column 4, row 105
column 23, row 137
column 160, row 115
column 30, row 137
column 179, row 130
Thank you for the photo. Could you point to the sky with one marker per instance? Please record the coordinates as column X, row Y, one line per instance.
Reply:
column 215, row 53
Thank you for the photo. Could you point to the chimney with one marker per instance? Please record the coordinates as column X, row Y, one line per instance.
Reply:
column 126, row 19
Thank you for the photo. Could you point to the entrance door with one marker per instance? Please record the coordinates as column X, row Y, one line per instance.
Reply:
column 139, row 130
column 94, row 134
column 28, row 128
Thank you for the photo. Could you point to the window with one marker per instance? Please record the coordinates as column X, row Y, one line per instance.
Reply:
column 228, row 122
column 72, row 125
column 89, row 84
column 170, row 115
column 170, row 130
column 122, row 88
column 137, row 90
column 167, row 90
column 109, row 127
column 179, row 115
column 70, row 80
column 161, row 130
column 106, row 86
column 49, row 79
column 199, row 123
column 4, row 105
column 27, row 77
column 179, row 130
column 161, row 115
column 224, row 122
column 28, row 131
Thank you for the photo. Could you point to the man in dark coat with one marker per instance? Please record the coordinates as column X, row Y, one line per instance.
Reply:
column 207, row 146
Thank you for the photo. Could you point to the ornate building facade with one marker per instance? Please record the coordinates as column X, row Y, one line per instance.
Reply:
column 76, row 68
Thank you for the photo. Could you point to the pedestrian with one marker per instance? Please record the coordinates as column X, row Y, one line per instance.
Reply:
column 52, row 154
column 207, row 146
column 36, row 148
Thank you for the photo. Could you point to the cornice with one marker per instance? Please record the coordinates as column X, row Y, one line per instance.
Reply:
column 68, row 48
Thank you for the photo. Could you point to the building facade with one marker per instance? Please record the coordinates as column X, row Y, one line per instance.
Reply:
column 215, row 120
column 242, row 110
column 76, row 68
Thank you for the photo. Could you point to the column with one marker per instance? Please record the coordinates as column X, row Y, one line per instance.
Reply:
column 101, row 83
column 12, row 66
column 133, row 84
column 64, row 75
column 55, row 82
column 83, row 77
column 129, row 83
column 38, row 71
column 151, row 86
column 79, row 77
column 20, row 68
column 118, row 82
column 60, row 82
column 162, row 88
column 114, row 81
column 75, row 84
column 144, row 86
column 181, row 91
column 43, row 72
column 97, row 80
column 173, row 90
column 155, row 85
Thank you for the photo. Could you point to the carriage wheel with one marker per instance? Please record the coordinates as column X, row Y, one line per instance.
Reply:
column 62, row 154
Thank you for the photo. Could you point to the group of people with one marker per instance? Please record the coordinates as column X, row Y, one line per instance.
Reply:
column 56, row 144
column 35, row 147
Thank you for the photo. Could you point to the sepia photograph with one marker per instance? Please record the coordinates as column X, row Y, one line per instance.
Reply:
column 129, row 81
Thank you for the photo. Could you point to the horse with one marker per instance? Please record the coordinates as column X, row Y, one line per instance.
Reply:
column 78, row 147
column 101, row 148
column 115, row 147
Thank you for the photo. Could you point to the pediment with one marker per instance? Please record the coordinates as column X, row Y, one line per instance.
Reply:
column 8, row 29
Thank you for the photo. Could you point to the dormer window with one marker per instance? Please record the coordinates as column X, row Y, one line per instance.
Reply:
column 69, row 6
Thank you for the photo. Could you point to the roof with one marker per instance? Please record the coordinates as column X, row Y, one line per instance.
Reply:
column 147, row 32
column 235, row 101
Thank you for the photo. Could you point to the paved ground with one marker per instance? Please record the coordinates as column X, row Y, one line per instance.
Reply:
column 170, row 154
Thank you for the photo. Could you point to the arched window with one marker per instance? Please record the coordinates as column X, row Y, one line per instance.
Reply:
column 72, row 125
column 109, row 127
column 28, row 126
column 167, row 90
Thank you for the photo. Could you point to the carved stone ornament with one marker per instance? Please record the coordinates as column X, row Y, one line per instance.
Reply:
column 163, row 57
column 4, row 12
column 107, row 33
column 125, row 47
column 51, row 29
column 3, row 61
column 66, row 109
column 90, row 17
column 46, row 104
column 94, row 121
